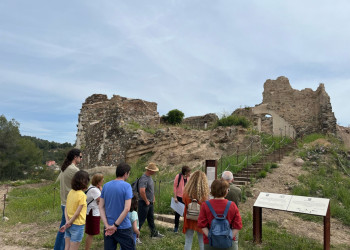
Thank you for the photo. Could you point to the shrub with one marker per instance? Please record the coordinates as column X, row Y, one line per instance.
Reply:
column 262, row 174
column 174, row 116
column 233, row 120
column 274, row 165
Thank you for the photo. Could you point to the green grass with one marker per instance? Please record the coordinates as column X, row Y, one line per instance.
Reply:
column 135, row 126
column 273, row 237
column 326, row 179
column 238, row 161
column 27, row 205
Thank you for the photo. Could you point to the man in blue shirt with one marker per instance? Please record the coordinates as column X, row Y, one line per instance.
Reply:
column 114, row 206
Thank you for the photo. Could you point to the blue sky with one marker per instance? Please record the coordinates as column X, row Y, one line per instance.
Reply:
column 197, row 56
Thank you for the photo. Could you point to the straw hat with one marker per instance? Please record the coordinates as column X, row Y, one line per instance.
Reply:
column 152, row 167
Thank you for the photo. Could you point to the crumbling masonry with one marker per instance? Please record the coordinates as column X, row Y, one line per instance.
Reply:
column 105, row 136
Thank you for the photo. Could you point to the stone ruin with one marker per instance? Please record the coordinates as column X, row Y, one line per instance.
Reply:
column 107, row 134
column 201, row 122
column 101, row 135
column 289, row 112
column 115, row 130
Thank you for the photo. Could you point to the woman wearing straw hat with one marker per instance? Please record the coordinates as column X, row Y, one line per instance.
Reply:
column 147, row 199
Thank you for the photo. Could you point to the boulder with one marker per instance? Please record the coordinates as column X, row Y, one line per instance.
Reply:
column 298, row 162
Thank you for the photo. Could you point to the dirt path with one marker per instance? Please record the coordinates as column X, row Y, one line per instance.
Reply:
column 281, row 181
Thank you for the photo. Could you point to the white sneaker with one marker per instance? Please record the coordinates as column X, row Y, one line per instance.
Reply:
column 138, row 241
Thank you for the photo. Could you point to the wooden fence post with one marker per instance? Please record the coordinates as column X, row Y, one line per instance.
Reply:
column 3, row 211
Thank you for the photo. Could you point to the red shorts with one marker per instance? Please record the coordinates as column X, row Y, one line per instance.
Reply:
column 92, row 225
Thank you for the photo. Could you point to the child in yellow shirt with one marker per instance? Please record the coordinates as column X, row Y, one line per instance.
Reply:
column 75, row 211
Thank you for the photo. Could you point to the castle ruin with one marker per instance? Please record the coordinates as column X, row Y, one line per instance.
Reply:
column 290, row 112
column 105, row 137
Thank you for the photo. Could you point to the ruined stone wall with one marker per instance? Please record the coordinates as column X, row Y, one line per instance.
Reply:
column 102, row 135
column 201, row 122
column 106, row 137
column 307, row 111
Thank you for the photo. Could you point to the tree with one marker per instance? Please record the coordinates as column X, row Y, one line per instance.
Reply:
column 18, row 155
column 174, row 116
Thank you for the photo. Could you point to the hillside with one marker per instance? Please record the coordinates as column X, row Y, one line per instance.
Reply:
column 322, row 175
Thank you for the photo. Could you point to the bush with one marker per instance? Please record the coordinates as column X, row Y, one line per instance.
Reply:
column 174, row 116
column 262, row 174
column 274, row 165
column 233, row 120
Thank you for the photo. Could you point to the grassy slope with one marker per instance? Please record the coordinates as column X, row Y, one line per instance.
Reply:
column 37, row 205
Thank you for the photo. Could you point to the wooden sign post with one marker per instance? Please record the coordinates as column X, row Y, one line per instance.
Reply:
column 291, row 203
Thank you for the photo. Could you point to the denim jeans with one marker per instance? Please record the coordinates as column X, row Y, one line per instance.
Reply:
column 146, row 212
column 189, row 238
column 60, row 243
column 177, row 216
column 122, row 236
column 75, row 233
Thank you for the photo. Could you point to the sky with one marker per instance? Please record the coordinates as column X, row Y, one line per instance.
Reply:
column 196, row 56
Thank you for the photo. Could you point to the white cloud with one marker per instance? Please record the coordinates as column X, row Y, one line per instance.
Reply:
column 197, row 56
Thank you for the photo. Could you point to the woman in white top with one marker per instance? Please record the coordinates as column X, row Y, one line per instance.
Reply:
column 93, row 194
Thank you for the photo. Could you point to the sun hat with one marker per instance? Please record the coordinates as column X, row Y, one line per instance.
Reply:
column 152, row 167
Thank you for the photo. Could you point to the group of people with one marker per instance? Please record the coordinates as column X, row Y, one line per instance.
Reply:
column 79, row 204
column 124, row 209
column 194, row 187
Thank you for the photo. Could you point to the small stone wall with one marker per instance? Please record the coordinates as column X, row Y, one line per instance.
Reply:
column 201, row 122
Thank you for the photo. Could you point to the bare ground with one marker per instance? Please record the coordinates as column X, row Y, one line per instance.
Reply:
column 280, row 181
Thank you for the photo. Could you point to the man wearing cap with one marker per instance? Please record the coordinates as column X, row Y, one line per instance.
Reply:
column 147, row 199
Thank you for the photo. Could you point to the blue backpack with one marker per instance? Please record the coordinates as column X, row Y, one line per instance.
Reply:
column 220, row 233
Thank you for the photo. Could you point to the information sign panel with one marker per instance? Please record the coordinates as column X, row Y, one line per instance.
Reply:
column 211, row 175
column 308, row 205
column 272, row 200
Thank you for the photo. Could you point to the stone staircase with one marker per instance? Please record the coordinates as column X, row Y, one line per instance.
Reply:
column 243, row 177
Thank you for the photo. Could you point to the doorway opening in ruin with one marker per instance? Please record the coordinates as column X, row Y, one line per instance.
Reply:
column 267, row 123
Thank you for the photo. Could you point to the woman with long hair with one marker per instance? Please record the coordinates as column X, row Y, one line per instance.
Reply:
column 75, row 211
column 179, row 186
column 68, row 170
column 196, row 190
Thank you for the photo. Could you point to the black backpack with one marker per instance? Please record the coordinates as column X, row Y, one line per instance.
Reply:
column 135, row 186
